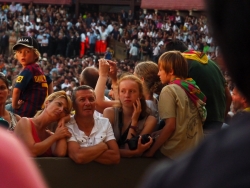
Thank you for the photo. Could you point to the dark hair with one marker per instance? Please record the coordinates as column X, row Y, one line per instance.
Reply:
column 82, row 87
column 176, row 45
column 89, row 76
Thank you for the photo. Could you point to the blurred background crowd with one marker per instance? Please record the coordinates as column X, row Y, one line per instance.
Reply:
column 68, row 43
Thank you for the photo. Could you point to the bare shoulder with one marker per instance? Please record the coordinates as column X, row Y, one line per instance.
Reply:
column 109, row 111
column 151, row 118
column 22, row 124
column 17, row 117
column 24, row 120
column 151, row 121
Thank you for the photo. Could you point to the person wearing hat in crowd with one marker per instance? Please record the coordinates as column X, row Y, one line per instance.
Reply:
column 31, row 87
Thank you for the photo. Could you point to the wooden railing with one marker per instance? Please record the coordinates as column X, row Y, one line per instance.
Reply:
column 64, row 173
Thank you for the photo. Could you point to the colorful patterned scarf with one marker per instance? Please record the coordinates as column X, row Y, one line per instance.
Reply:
column 194, row 93
column 195, row 55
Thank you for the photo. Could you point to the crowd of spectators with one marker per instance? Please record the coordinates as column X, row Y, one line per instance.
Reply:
column 68, row 43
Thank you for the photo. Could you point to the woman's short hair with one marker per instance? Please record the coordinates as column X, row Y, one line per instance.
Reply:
column 56, row 95
column 174, row 61
column 148, row 70
column 145, row 111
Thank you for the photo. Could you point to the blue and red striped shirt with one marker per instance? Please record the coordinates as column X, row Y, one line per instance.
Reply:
column 34, row 89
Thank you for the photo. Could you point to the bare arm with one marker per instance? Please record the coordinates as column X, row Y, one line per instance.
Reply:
column 110, row 114
column 59, row 148
column 148, row 129
column 24, row 132
column 83, row 155
column 149, row 124
column 100, row 87
column 110, row 156
column 15, row 97
column 113, row 76
column 165, row 134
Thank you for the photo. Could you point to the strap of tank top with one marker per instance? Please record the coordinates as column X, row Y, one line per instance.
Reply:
column 34, row 132
column 116, row 124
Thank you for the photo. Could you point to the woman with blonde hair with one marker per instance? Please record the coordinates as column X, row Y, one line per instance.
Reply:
column 35, row 134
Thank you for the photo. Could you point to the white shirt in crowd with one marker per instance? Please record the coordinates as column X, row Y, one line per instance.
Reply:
column 156, row 51
column 101, row 132
column 45, row 41
column 133, row 51
column 25, row 18
column 12, row 8
column 110, row 28
column 83, row 37
column 140, row 34
column 65, row 85
column 209, row 40
column 148, row 16
column 103, row 34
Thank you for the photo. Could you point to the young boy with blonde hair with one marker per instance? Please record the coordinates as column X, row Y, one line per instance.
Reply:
column 31, row 87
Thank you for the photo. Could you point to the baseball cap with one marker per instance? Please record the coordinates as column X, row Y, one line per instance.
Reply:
column 4, row 123
column 26, row 41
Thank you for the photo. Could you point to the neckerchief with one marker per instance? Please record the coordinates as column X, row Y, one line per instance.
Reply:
column 195, row 55
column 194, row 93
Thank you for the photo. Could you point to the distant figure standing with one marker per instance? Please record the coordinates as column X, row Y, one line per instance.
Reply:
column 108, row 54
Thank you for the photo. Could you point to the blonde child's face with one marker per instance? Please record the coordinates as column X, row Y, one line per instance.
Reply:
column 25, row 55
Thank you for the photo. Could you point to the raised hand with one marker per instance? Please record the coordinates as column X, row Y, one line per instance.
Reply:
column 103, row 67
column 136, row 112
column 113, row 70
